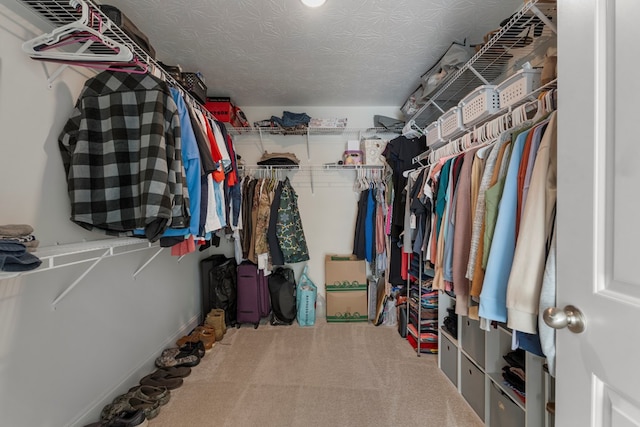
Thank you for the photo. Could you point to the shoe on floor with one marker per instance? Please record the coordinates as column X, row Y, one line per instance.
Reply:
column 159, row 379
column 150, row 408
column 173, row 372
column 175, row 357
column 151, row 393
column 124, row 419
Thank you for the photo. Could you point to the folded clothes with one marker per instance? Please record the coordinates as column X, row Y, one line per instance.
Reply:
column 15, row 230
column 16, row 263
column 11, row 247
column 32, row 245
column 279, row 159
column 21, row 239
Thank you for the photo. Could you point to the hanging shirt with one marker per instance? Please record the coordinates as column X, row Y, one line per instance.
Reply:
column 527, row 271
column 122, row 153
column 494, row 290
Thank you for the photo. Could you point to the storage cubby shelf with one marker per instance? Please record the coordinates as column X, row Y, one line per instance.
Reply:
column 496, row 378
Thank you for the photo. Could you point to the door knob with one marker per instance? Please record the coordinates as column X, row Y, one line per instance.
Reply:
column 569, row 317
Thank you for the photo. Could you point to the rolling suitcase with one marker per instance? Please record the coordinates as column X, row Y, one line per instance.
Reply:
column 263, row 292
column 251, row 303
column 218, row 286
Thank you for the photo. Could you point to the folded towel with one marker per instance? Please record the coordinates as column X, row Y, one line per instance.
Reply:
column 15, row 230
column 11, row 247
column 16, row 263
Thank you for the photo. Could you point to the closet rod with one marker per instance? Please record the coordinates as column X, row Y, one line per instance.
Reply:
column 531, row 96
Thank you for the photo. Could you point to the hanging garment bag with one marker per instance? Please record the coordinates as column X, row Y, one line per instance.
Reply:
column 218, row 286
column 248, row 295
column 282, row 287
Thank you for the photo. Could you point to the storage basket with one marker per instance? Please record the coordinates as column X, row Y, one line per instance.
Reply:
column 433, row 134
column 372, row 149
column 479, row 104
column 518, row 86
column 451, row 123
column 195, row 86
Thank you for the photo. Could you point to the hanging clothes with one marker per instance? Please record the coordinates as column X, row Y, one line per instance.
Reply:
column 289, row 228
column 135, row 173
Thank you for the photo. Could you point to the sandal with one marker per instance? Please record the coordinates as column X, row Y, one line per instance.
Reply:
column 173, row 372
column 151, row 409
column 151, row 393
column 159, row 380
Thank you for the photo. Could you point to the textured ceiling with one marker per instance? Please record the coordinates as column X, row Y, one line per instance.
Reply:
column 281, row 53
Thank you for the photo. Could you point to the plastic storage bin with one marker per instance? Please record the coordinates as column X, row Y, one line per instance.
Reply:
column 473, row 340
column 451, row 123
column 479, row 104
column 518, row 86
column 472, row 385
column 433, row 134
column 449, row 359
column 504, row 412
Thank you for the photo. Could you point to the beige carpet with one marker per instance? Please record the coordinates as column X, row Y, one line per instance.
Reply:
column 326, row 375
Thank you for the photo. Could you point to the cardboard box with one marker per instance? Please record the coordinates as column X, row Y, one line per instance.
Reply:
column 346, row 288
column 339, row 269
column 347, row 306
column 221, row 108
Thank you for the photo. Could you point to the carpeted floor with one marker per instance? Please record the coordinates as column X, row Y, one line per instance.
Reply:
column 327, row 375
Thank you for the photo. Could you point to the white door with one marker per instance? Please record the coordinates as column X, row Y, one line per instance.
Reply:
column 598, row 371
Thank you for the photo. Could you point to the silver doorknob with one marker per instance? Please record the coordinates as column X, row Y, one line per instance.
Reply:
column 569, row 317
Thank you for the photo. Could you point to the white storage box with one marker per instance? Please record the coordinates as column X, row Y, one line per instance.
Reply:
column 451, row 123
column 372, row 149
column 479, row 104
column 433, row 134
column 518, row 86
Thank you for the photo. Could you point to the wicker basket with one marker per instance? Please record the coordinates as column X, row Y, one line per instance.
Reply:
column 479, row 104
column 518, row 86
column 195, row 86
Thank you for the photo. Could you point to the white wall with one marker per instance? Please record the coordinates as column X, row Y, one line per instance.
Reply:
column 328, row 210
column 60, row 367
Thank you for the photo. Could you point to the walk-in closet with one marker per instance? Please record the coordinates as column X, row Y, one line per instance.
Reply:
column 297, row 212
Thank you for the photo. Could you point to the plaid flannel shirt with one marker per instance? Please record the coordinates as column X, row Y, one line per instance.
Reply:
column 121, row 150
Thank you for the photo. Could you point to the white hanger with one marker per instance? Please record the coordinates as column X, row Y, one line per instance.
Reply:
column 41, row 46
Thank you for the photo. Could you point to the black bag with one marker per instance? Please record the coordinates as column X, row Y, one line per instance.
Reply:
column 219, row 281
column 129, row 28
column 282, row 287
column 402, row 319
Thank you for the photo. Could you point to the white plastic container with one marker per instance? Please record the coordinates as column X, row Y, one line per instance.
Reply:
column 433, row 134
column 479, row 104
column 518, row 86
column 451, row 123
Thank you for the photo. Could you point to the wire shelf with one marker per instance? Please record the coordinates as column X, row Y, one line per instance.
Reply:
column 517, row 42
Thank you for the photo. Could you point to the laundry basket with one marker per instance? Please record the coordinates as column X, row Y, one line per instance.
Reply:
column 518, row 86
column 451, row 123
column 433, row 134
column 479, row 104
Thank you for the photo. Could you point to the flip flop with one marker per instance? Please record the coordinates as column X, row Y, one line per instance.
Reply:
column 173, row 372
column 161, row 381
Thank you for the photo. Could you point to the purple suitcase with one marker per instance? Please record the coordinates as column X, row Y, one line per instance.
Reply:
column 252, row 286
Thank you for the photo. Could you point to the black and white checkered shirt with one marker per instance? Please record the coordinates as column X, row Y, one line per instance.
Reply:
column 121, row 150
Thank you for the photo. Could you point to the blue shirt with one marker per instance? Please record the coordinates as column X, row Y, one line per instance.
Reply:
column 191, row 161
column 493, row 298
